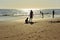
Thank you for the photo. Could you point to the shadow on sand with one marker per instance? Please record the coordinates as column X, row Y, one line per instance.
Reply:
column 54, row 21
column 31, row 23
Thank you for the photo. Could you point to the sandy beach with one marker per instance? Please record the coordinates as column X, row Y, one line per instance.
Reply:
column 43, row 29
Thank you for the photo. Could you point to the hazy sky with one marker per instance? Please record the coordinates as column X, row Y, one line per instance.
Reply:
column 29, row 3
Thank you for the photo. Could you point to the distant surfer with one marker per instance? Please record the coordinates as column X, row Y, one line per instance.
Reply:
column 42, row 14
column 53, row 13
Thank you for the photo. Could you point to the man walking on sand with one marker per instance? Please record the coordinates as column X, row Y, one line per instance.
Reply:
column 53, row 13
column 42, row 14
column 31, row 16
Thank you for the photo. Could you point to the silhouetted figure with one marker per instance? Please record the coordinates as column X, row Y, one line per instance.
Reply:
column 42, row 14
column 53, row 13
column 31, row 16
column 26, row 21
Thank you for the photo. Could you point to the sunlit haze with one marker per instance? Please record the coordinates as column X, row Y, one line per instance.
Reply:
column 27, row 10
column 17, row 4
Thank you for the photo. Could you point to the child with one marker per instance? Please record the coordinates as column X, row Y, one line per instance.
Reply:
column 26, row 21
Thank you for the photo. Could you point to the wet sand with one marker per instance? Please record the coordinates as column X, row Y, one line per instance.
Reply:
column 40, row 30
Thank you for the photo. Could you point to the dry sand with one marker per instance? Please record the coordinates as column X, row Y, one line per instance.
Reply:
column 40, row 30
